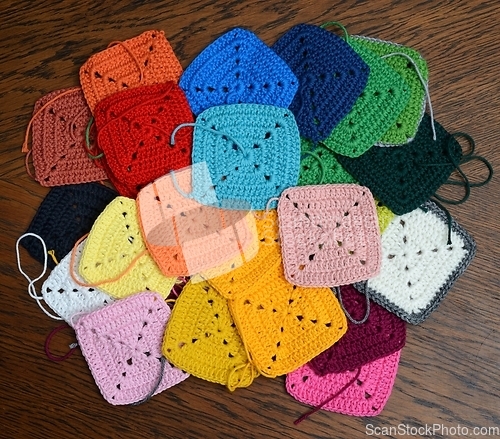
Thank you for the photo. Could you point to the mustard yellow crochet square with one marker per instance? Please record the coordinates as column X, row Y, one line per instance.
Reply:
column 284, row 326
column 115, row 250
column 202, row 339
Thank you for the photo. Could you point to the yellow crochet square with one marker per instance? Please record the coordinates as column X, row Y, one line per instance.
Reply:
column 284, row 326
column 115, row 249
column 237, row 281
column 202, row 339
column 385, row 215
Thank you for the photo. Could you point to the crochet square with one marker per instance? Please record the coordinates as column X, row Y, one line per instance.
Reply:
column 202, row 339
column 186, row 237
column 284, row 326
column 240, row 144
column 403, row 178
column 418, row 266
column 134, row 129
column 143, row 60
column 122, row 346
column 374, row 112
column 65, row 296
column 239, row 280
column 65, row 215
column 59, row 155
column 331, row 77
column 115, row 257
column 405, row 128
column 329, row 235
column 381, row 335
column 238, row 68
column 366, row 396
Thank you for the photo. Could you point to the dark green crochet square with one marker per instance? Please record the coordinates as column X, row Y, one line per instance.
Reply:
column 404, row 177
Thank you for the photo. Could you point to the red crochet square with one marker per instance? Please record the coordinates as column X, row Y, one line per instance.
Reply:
column 133, row 132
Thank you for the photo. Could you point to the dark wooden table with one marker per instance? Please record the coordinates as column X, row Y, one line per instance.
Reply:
column 449, row 369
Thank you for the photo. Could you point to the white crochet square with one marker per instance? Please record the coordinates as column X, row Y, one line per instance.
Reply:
column 66, row 297
column 418, row 266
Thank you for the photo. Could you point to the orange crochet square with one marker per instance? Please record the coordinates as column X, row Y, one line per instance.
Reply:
column 143, row 60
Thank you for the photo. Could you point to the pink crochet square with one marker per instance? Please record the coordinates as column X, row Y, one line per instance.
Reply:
column 366, row 396
column 329, row 235
column 122, row 345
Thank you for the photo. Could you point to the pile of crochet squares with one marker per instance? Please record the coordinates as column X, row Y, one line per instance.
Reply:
column 279, row 196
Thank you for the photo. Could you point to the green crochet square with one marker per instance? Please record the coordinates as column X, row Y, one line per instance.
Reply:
column 375, row 111
column 406, row 125
column 323, row 162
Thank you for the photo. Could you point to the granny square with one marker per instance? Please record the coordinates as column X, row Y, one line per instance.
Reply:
column 284, row 326
column 65, row 296
column 65, row 215
column 122, row 346
column 366, row 396
column 405, row 128
column 240, row 144
column 382, row 334
column 331, row 77
column 374, row 112
column 134, row 129
column 58, row 145
column 329, row 234
column 143, row 60
column 202, row 339
column 418, row 266
column 238, row 68
column 185, row 237
column 403, row 178
column 115, row 257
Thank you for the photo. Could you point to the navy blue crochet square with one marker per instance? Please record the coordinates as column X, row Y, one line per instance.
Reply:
column 238, row 68
column 252, row 151
column 65, row 215
column 331, row 77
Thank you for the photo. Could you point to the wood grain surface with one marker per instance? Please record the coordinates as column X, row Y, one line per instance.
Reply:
column 449, row 369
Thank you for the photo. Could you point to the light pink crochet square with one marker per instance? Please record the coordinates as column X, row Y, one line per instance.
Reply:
column 329, row 235
column 366, row 396
column 122, row 345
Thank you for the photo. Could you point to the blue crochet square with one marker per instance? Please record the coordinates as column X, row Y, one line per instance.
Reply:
column 331, row 77
column 238, row 68
column 252, row 151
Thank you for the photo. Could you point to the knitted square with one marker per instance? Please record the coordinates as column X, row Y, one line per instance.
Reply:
column 382, row 334
column 331, row 77
column 284, row 326
column 202, row 339
column 65, row 215
column 406, row 125
column 375, row 111
column 65, row 296
column 366, row 396
column 240, row 144
column 122, row 346
column 134, row 128
column 405, row 177
column 418, row 266
column 329, row 234
column 115, row 257
column 59, row 155
column 143, row 60
column 238, row 68
column 241, row 279
column 185, row 237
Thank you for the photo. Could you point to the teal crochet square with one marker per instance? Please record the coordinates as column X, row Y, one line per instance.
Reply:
column 252, row 151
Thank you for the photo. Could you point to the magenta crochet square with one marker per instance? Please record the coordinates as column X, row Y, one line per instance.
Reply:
column 366, row 396
column 122, row 345
column 329, row 234
column 382, row 334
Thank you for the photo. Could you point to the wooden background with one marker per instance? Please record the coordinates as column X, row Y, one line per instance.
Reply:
column 449, row 368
